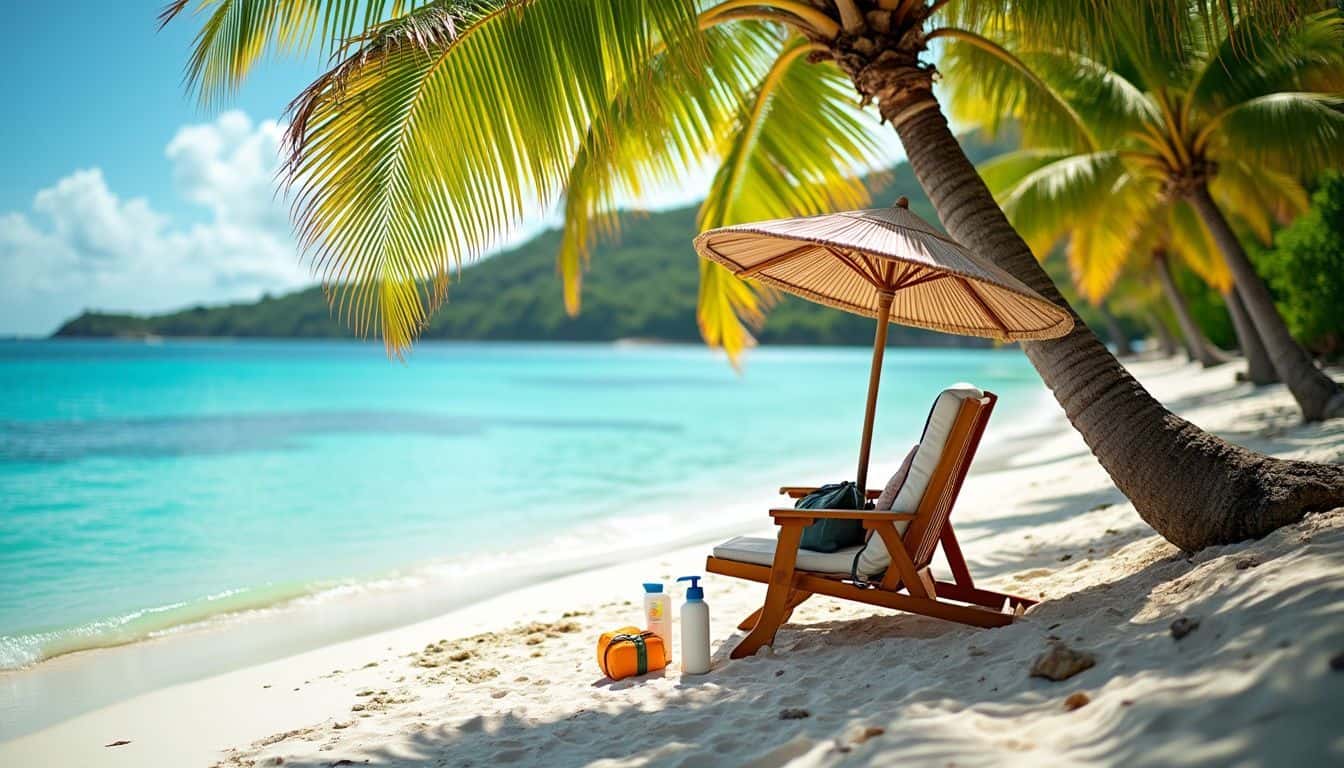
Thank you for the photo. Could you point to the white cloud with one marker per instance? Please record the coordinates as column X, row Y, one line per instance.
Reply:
column 83, row 246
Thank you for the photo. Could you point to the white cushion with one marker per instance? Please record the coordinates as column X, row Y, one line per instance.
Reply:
column 761, row 551
column 875, row 557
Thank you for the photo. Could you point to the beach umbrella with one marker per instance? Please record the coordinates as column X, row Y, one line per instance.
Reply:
column 888, row 264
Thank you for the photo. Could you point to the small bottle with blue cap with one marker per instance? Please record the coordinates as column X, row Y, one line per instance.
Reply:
column 658, row 613
column 694, row 629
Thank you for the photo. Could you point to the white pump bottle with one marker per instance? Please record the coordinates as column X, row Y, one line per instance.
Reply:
column 694, row 629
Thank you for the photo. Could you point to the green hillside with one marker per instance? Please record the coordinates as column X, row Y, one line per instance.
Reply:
column 643, row 286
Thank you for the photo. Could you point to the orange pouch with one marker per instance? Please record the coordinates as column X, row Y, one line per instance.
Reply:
column 627, row 651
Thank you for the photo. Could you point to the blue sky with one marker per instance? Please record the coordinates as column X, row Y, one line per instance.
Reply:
column 96, row 84
column 118, row 192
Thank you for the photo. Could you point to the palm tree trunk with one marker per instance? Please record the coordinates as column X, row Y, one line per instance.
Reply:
column 1191, row 356
column 1119, row 339
column 1316, row 393
column 1166, row 343
column 1259, row 370
column 1157, row 459
column 1199, row 347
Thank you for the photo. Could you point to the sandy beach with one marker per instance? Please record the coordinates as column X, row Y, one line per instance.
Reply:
column 512, row 679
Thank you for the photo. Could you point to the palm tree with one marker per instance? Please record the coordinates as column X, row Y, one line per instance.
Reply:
column 440, row 128
column 1198, row 126
column 1116, row 219
column 1259, row 368
column 1197, row 345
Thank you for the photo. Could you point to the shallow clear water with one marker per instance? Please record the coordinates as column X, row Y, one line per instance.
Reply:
column 145, row 486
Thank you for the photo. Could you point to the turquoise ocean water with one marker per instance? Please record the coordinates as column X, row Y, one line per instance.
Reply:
column 148, row 486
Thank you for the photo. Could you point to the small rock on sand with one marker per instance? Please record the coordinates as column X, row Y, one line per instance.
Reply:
column 1246, row 562
column 1337, row 662
column 460, row 656
column 118, row 743
column 871, row 732
column 793, row 713
column 1076, row 700
column 1061, row 662
column 1183, row 626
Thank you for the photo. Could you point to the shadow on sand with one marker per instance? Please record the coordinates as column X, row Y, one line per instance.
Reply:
column 1252, row 681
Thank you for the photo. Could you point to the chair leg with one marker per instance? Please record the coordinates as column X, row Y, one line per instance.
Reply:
column 777, row 595
column 796, row 598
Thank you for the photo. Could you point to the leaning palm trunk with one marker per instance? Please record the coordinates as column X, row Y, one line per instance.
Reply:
column 1119, row 339
column 1166, row 342
column 1317, row 393
column 1157, row 459
column 1201, row 350
column 1259, row 370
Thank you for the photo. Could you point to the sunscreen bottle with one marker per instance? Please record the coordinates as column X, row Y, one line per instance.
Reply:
column 658, row 613
column 694, row 629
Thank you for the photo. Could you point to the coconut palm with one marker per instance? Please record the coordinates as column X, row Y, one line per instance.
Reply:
column 1199, row 126
column 442, row 127
column 1115, row 219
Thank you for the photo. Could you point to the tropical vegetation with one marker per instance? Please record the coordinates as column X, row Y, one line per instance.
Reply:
column 1144, row 155
column 1305, row 270
column 442, row 126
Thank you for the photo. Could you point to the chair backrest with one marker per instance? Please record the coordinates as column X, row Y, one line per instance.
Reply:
column 937, row 470
column 935, row 504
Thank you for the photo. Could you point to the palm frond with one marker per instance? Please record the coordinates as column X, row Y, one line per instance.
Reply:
column 989, row 84
column 1293, row 132
column 1003, row 172
column 798, row 147
column 236, row 34
column 419, row 150
column 657, row 130
column 1105, row 244
column 1093, row 27
column 1188, row 238
column 1309, row 56
column 1258, row 197
column 1046, row 204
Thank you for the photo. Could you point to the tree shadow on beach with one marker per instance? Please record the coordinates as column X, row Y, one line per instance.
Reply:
column 1251, row 684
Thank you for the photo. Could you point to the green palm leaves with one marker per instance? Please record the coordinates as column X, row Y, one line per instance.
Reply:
column 1108, row 142
column 445, row 125
column 236, row 33
column 432, row 141
column 794, row 148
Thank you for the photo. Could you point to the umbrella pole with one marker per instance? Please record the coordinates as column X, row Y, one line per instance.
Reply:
column 874, row 378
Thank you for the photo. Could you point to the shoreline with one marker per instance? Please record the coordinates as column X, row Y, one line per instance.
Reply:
column 1020, row 514
column 236, row 639
column 366, row 595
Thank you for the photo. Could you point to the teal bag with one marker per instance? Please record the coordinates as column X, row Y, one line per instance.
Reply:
column 832, row 535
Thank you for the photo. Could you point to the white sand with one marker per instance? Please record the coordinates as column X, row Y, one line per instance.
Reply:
column 1252, row 684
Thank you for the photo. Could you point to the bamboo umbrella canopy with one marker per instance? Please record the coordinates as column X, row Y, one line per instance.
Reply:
column 888, row 264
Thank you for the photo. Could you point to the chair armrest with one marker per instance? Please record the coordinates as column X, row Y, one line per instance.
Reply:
column 840, row 514
column 799, row 491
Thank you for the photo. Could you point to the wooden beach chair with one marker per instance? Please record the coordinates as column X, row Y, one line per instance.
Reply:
column 893, row 565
